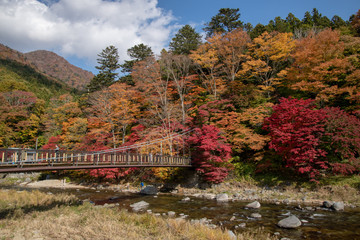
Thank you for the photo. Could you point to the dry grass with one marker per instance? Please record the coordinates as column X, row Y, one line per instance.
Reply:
column 89, row 222
column 14, row 203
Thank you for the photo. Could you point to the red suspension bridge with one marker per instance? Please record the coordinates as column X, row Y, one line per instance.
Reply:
column 31, row 160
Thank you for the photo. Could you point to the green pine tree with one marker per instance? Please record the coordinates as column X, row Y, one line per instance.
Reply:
column 108, row 65
column 185, row 41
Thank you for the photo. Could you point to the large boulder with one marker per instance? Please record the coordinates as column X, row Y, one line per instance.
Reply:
column 222, row 197
column 289, row 222
column 255, row 204
column 338, row 206
column 139, row 206
column 149, row 190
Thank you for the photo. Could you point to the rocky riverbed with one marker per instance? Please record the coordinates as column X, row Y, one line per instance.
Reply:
column 234, row 191
column 227, row 206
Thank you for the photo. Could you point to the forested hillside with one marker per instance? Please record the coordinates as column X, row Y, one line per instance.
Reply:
column 282, row 97
column 49, row 64
column 55, row 66
column 17, row 76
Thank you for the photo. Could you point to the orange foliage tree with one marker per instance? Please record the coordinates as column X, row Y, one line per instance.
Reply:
column 113, row 110
column 66, row 120
column 231, row 50
column 240, row 128
column 207, row 62
column 322, row 71
column 269, row 54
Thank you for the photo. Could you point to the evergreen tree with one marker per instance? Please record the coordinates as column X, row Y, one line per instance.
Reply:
column 136, row 53
column 257, row 31
column 281, row 25
column 308, row 19
column 293, row 21
column 108, row 64
column 225, row 21
column 185, row 41
column 316, row 17
column 337, row 22
column 248, row 27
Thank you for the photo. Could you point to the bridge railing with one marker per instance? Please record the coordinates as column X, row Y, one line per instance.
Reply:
column 21, row 157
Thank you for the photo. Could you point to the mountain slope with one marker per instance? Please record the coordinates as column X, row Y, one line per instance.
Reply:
column 51, row 65
column 17, row 76
column 56, row 66
column 18, row 73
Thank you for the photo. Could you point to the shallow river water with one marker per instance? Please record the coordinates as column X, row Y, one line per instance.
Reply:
column 319, row 224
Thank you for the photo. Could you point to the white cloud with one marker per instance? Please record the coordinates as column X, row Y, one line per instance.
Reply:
column 82, row 28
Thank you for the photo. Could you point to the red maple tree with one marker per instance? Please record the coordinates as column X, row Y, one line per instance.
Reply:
column 210, row 153
column 296, row 128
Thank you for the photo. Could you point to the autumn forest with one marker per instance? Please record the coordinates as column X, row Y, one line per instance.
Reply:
column 281, row 98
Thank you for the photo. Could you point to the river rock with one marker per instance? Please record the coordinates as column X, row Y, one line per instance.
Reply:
column 286, row 201
column 327, row 204
column 241, row 225
column 255, row 215
column 194, row 221
column 204, row 220
column 179, row 219
column 209, row 196
column 255, row 204
column 171, row 214
column 187, row 199
column 211, row 226
column 289, row 222
column 110, row 205
column 237, row 195
column 149, row 190
column 222, row 197
column 309, row 208
column 338, row 206
column 139, row 206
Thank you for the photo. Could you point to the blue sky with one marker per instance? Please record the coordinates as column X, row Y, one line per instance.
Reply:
column 79, row 29
column 257, row 11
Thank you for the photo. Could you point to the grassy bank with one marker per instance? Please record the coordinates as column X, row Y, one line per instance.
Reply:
column 35, row 215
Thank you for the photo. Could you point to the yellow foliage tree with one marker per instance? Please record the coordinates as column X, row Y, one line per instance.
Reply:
column 268, row 56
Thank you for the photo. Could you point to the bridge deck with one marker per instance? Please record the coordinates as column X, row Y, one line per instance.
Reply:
column 29, row 160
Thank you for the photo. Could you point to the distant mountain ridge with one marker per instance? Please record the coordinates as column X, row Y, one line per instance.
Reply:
column 50, row 64
column 56, row 66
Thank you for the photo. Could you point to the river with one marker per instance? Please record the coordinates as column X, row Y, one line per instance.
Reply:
column 319, row 224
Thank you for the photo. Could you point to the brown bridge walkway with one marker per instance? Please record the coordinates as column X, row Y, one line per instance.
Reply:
column 31, row 160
